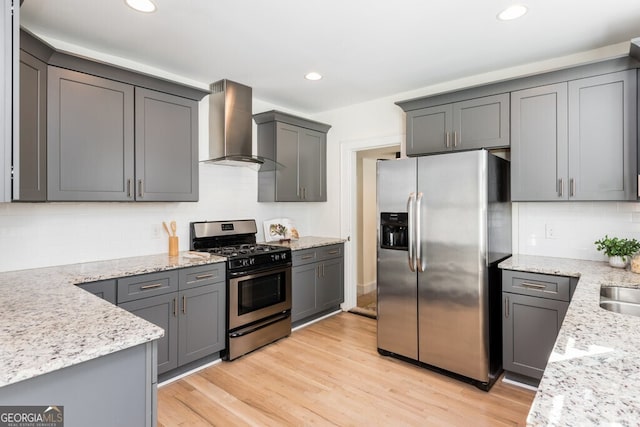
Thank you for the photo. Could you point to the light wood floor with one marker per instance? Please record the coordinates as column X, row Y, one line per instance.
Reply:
column 330, row 373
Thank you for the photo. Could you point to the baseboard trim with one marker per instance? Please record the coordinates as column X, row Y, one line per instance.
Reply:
column 311, row 322
column 519, row 384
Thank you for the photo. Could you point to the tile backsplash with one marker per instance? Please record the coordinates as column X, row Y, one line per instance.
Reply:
column 568, row 229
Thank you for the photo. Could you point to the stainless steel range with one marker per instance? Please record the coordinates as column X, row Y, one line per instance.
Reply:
column 258, row 283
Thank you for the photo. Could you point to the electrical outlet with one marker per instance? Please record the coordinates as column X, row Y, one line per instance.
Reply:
column 550, row 231
column 157, row 231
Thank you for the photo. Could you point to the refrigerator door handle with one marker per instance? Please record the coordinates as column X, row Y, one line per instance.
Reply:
column 411, row 217
column 417, row 237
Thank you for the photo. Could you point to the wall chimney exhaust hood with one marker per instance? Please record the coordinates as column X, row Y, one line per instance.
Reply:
column 230, row 126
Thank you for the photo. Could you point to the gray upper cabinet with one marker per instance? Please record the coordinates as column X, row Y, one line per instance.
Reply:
column 8, row 93
column 90, row 137
column 539, row 143
column 575, row 140
column 33, row 129
column 166, row 147
column 298, row 146
column 465, row 125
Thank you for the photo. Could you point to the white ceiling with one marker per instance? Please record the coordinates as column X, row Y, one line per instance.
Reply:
column 365, row 49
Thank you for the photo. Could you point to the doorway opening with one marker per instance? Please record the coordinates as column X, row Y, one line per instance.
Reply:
column 366, row 227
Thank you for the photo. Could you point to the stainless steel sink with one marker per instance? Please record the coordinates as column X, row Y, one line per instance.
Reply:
column 621, row 300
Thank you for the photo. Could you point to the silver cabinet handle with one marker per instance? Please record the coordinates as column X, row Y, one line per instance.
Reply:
column 560, row 187
column 333, row 252
column 638, row 185
column 534, row 286
column 184, row 304
column 455, row 138
column 307, row 256
column 204, row 276
column 129, row 188
column 447, row 142
column 175, row 307
column 506, row 307
column 410, row 214
column 140, row 189
column 572, row 186
column 154, row 286
column 418, row 240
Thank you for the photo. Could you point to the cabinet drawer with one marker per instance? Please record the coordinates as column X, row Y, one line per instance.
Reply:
column 304, row 256
column 194, row 277
column 147, row 285
column 326, row 252
column 538, row 285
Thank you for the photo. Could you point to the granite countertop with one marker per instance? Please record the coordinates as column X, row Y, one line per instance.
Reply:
column 308, row 242
column 48, row 323
column 593, row 372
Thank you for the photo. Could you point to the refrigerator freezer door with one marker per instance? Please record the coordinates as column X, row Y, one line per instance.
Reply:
column 452, row 291
column 396, row 283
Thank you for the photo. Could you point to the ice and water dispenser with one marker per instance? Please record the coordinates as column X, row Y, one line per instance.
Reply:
column 394, row 230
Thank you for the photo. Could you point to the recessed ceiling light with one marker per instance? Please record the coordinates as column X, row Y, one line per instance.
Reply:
column 141, row 5
column 512, row 12
column 313, row 76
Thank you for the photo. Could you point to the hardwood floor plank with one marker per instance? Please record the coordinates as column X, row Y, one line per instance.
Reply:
column 330, row 373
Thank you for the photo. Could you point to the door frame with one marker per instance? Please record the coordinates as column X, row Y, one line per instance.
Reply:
column 348, row 194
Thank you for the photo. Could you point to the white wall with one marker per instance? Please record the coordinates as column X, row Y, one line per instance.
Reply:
column 35, row 235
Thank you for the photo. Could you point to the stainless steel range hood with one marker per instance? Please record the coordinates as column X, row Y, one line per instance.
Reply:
column 230, row 125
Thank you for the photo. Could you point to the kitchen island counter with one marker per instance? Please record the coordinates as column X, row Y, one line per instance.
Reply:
column 48, row 323
column 593, row 371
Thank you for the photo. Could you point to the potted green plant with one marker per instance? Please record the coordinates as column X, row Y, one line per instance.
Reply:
column 618, row 250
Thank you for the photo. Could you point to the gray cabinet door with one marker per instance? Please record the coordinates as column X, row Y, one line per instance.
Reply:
column 530, row 326
column 602, row 137
column 312, row 166
column 166, row 147
column 303, row 291
column 201, row 322
column 105, row 289
column 330, row 287
column 288, row 155
column 89, row 137
column 33, row 129
column 428, row 130
column 539, row 143
column 481, row 123
column 162, row 311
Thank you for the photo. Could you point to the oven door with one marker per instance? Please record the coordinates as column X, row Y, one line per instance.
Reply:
column 255, row 296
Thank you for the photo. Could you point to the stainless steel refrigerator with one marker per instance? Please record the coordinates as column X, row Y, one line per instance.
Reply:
column 444, row 222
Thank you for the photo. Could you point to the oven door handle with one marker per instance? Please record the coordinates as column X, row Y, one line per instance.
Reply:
column 258, row 326
column 254, row 273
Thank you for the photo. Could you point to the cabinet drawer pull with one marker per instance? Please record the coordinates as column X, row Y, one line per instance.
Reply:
column 204, row 276
column 333, row 252
column 534, row 286
column 307, row 257
column 156, row 285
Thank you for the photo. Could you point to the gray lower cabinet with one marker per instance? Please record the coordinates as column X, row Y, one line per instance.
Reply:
column 189, row 304
column 575, row 140
column 317, row 281
column 534, row 306
column 118, row 389
column 475, row 123
column 298, row 147
column 33, row 130
column 105, row 289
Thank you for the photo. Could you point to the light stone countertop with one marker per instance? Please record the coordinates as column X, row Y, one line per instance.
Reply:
column 308, row 242
column 47, row 323
column 593, row 373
